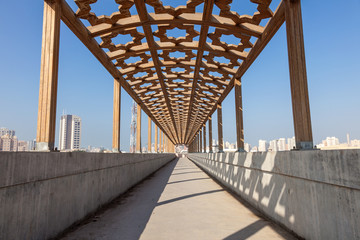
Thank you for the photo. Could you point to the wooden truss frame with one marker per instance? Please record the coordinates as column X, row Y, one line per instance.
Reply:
column 179, row 102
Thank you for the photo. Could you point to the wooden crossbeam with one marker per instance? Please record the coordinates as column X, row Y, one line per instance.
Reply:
column 208, row 7
column 143, row 15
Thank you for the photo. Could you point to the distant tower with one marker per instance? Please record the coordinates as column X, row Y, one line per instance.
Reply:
column 348, row 139
column 133, row 127
column 70, row 132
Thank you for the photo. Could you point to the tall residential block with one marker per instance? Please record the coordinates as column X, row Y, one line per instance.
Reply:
column 70, row 132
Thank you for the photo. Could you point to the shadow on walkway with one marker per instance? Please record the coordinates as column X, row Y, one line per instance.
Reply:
column 122, row 208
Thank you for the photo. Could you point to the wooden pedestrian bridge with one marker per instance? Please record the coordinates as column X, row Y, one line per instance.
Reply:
column 179, row 82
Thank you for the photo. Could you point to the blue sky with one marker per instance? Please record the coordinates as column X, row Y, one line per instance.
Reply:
column 332, row 37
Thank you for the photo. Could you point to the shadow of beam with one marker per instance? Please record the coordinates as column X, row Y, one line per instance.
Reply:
column 188, row 196
column 186, row 172
column 188, row 180
column 247, row 231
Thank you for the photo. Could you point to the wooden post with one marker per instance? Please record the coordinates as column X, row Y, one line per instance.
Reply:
column 201, row 142
column 116, row 116
column 45, row 136
column 156, row 139
column 298, row 78
column 239, row 116
column 160, row 141
column 163, row 142
column 220, row 129
column 210, row 135
column 204, row 135
column 138, row 130
column 149, row 135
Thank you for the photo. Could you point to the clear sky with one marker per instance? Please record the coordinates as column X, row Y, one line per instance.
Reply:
column 332, row 37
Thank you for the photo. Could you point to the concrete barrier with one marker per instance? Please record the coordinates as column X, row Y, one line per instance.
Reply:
column 315, row 194
column 41, row 194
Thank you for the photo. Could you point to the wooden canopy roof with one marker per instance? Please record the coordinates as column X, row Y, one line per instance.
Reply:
column 178, row 93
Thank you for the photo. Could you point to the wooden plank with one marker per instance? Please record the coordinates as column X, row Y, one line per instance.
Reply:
column 45, row 137
column 78, row 28
column 116, row 116
column 239, row 117
column 298, row 78
column 160, row 141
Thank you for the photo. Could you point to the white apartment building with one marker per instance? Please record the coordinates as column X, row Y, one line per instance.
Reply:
column 263, row 146
column 70, row 132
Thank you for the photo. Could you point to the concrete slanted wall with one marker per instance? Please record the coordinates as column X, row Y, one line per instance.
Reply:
column 316, row 194
column 41, row 194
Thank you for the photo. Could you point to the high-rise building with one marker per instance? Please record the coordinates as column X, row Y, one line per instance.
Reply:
column 263, row 145
column 281, row 144
column 70, row 132
column 273, row 146
column 247, row 147
column 8, row 143
column 22, row 146
column 291, row 143
column 5, row 131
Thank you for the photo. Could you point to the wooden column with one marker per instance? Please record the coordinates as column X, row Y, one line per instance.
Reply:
column 116, row 116
column 204, row 135
column 138, row 130
column 239, row 116
column 201, row 142
column 220, row 129
column 298, row 78
column 156, row 139
column 45, row 136
column 160, row 141
column 163, row 142
column 149, row 135
column 210, row 135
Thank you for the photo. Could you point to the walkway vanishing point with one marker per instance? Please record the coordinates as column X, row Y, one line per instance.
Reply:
column 178, row 202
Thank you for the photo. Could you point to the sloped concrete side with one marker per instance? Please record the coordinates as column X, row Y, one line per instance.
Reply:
column 41, row 194
column 313, row 193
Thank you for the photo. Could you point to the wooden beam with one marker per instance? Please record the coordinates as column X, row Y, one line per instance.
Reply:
column 78, row 28
column 138, row 130
column 45, row 137
column 239, row 117
column 144, row 17
column 116, row 116
column 220, row 129
column 298, row 78
column 207, row 12
column 201, row 140
column 210, row 135
column 270, row 30
column 149, row 135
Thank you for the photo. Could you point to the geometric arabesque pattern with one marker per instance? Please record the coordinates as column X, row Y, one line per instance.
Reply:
column 179, row 79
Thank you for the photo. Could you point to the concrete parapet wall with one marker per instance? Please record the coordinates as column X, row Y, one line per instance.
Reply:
column 315, row 194
column 41, row 194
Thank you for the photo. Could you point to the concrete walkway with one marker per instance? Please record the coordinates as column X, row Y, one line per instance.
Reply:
column 178, row 202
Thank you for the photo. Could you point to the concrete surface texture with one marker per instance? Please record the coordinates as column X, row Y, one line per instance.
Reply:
column 178, row 202
column 41, row 194
column 313, row 193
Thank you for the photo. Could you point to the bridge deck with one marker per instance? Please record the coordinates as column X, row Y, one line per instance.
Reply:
column 178, row 202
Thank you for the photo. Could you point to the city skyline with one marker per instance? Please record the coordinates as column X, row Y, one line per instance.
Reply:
column 266, row 91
